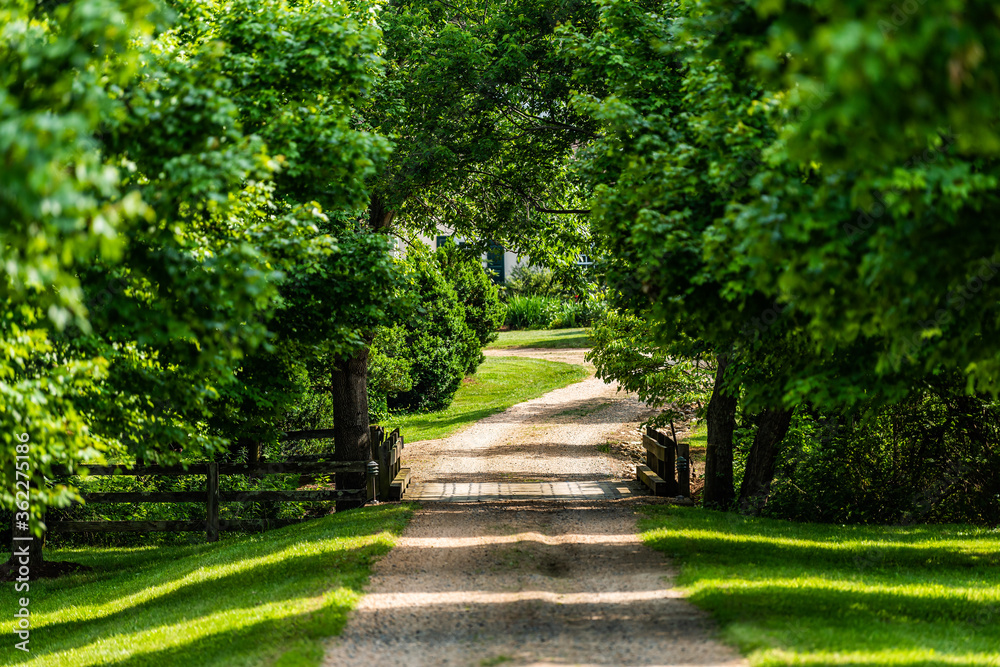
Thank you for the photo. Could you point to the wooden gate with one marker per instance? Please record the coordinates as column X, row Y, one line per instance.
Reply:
column 667, row 471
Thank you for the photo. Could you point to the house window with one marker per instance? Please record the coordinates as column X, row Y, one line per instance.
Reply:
column 441, row 240
column 495, row 262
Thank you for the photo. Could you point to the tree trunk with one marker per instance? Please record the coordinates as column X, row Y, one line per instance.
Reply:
column 380, row 217
column 351, row 441
column 771, row 430
column 719, row 491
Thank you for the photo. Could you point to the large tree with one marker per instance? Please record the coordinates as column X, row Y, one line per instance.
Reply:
column 736, row 196
column 205, row 230
column 62, row 209
column 474, row 97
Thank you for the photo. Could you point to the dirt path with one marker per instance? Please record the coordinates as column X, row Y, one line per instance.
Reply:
column 554, row 438
column 558, row 579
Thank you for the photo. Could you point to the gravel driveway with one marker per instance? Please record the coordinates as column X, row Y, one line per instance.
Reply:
column 540, row 579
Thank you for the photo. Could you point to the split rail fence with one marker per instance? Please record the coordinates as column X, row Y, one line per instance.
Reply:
column 385, row 479
column 668, row 470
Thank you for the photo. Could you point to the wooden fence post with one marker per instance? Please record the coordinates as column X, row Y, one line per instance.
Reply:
column 384, row 450
column 684, row 469
column 397, row 443
column 212, row 520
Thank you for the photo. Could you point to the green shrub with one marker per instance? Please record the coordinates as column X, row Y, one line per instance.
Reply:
column 532, row 281
column 484, row 313
column 545, row 312
column 528, row 312
column 389, row 371
column 930, row 458
column 437, row 340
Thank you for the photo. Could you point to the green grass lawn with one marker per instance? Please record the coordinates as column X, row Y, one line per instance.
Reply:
column 812, row 594
column 267, row 599
column 498, row 384
column 698, row 437
column 542, row 338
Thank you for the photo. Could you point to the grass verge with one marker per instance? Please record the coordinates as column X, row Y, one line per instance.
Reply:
column 267, row 599
column 498, row 384
column 810, row 594
column 552, row 338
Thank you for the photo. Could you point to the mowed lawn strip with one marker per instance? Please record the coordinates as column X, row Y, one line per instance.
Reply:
column 812, row 594
column 500, row 383
column 265, row 599
column 550, row 338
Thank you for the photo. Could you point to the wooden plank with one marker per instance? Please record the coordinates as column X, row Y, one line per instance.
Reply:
column 315, row 434
column 230, row 497
column 120, row 469
column 665, row 440
column 654, row 447
column 146, row 497
column 293, row 496
column 212, row 502
column 399, row 484
column 293, row 467
column 655, row 483
column 660, row 459
column 125, row 526
column 263, row 468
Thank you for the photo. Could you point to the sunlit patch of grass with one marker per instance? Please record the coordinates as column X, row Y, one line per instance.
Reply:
column 698, row 437
column 253, row 600
column 550, row 338
column 501, row 382
column 812, row 594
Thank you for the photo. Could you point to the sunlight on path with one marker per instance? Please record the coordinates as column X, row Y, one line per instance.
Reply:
column 525, row 583
column 472, row 492
column 526, row 552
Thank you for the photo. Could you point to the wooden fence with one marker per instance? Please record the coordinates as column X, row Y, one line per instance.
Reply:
column 386, row 480
column 388, row 453
column 667, row 470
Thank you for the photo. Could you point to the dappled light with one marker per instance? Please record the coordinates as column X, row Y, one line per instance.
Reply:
column 540, row 582
column 911, row 595
column 232, row 603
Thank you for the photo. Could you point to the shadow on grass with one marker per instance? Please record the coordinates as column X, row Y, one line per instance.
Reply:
column 819, row 594
column 435, row 421
column 239, row 610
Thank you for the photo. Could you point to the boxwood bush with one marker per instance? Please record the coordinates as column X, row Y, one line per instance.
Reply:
column 418, row 365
